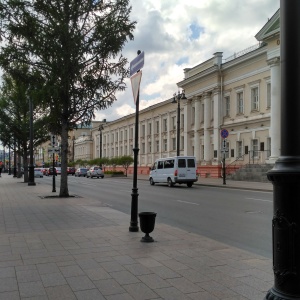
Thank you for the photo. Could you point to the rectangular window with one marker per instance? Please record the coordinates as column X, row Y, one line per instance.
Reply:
column 121, row 136
column 157, row 146
column 193, row 115
column 150, row 128
column 240, row 103
column 191, row 163
column 131, row 133
column 150, row 147
column 254, row 99
column 181, row 142
column 232, row 153
column 174, row 123
column 182, row 121
column 181, row 163
column 165, row 125
column 239, row 149
column 268, row 95
column 227, row 106
column 254, row 144
column 143, row 148
column 143, row 130
column 117, row 136
column 173, row 143
column 227, row 150
column 169, row 164
column 165, row 145
column 157, row 126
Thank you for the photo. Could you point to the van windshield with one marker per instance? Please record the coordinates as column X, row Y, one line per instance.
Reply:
column 181, row 163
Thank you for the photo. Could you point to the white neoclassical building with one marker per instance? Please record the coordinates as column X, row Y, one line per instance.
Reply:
column 240, row 94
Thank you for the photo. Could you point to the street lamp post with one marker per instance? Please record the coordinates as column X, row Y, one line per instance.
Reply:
column 176, row 99
column 285, row 176
column 100, row 140
column 31, row 166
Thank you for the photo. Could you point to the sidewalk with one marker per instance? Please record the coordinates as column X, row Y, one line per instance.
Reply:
column 77, row 248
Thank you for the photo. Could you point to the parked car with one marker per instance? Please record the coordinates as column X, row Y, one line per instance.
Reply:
column 51, row 171
column 45, row 170
column 58, row 170
column 71, row 170
column 38, row 172
column 81, row 172
column 95, row 172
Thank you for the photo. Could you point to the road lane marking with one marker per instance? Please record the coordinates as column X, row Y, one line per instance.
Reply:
column 181, row 201
column 263, row 200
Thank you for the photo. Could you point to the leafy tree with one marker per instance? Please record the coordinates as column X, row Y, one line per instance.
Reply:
column 14, row 116
column 74, row 48
column 125, row 161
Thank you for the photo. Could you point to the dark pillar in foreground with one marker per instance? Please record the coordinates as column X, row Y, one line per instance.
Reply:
column 31, row 166
column 135, row 195
column 285, row 175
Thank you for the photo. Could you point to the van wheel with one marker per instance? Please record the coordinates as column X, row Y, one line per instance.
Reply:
column 170, row 183
column 151, row 181
column 189, row 184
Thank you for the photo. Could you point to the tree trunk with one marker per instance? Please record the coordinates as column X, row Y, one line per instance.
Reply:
column 64, row 191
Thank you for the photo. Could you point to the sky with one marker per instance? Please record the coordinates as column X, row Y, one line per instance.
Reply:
column 179, row 34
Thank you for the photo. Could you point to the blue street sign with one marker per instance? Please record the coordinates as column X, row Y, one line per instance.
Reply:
column 224, row 133
column 137, row 63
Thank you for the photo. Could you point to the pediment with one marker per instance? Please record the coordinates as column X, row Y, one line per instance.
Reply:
column 271, row 28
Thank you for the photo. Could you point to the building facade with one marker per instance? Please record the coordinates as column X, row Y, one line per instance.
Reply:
column 240, row 94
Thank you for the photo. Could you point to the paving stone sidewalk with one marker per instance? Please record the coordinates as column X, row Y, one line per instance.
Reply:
column 77, row 248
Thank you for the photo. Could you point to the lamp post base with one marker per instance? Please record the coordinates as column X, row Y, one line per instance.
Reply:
column 275, row 295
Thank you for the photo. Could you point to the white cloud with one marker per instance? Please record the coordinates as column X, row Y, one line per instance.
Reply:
column 163, row 31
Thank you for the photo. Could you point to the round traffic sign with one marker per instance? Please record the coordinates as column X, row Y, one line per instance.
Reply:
column 224, row 133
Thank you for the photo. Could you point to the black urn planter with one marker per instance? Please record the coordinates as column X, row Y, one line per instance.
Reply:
column 147, row 223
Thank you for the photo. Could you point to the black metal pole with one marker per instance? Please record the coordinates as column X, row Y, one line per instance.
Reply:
column 9, row 161
column 285, row 175
column 15, row 158
column 31, row 166
column 53, row 177
column 178, row 126
column 134, row 196
column 100, row 144
column 224, row 167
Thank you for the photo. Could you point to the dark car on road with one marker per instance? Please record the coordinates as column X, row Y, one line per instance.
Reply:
column 71, row 171
column 81, row 172
column 50, row 171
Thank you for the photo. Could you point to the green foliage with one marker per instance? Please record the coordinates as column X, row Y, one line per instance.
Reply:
column 73, row 51
column 114, row 172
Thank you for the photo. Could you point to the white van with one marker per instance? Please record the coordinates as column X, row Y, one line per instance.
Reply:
column 171, row 170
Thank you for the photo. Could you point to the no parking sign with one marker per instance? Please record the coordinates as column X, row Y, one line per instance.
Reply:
column 224, row 133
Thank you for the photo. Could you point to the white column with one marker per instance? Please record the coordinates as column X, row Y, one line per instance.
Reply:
column 275, row 127
column 197, row 128
column 187, row 123
column 152, row 139
column 207, row 121
column 217, row 122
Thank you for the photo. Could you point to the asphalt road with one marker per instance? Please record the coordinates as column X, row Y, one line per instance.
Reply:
column 239, row 218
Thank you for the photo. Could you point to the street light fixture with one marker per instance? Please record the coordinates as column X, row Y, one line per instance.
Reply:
column 176, row 99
